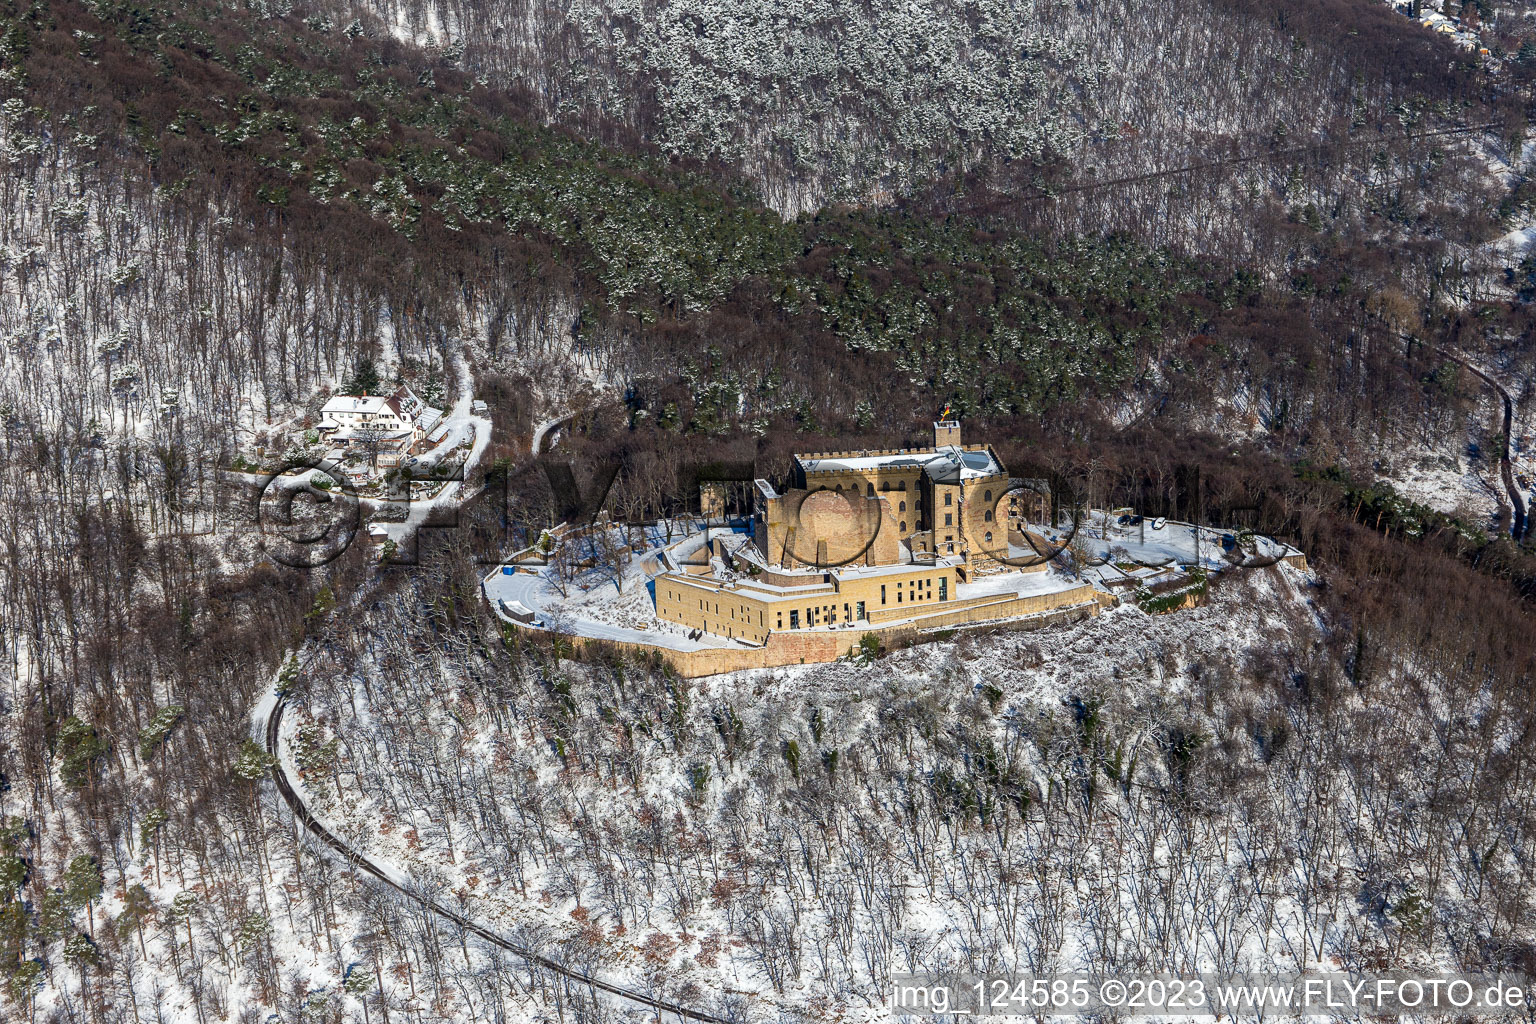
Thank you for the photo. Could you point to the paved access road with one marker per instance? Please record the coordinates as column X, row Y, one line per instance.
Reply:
column 357, row 860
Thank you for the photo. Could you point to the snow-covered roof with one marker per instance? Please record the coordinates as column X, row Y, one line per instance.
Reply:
column 402, row 403
column 955, row 464
column 903, row 568
column 858, row 463
column 906, row 563
column 949, row 464
column 355, row 403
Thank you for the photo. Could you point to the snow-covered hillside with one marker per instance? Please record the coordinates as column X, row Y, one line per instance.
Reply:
column 844, row 100
column 1126, row 793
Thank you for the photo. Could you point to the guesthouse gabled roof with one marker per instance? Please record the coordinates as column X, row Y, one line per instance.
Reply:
column 370, row 404
column 403, row 403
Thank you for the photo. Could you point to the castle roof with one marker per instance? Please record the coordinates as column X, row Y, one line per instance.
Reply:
column 946, row 465
column 951, row 465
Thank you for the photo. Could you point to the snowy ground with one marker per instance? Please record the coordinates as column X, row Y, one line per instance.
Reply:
column 1158, row 543
column 1016, row 584
column 461, row 430
column 1515, row 245
column 1448, row 485
column 594, row 606
column 462, row 424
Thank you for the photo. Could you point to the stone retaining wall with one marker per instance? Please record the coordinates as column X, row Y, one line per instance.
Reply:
column 813, row 647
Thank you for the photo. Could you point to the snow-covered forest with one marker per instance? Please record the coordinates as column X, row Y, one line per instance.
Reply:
column 1212, row 790
column 998, row 803
column 858, row 101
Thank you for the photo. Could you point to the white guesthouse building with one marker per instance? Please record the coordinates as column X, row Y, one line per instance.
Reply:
column 393, row 423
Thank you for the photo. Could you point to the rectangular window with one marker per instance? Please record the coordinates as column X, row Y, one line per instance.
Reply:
column 794, row 620
column 949, row 519
column 859, row 610
column 949, row 499
column 898, row 596
column 944, row 588
column 882, row 593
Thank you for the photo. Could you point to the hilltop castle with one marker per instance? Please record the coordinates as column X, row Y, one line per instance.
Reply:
column 873, row 539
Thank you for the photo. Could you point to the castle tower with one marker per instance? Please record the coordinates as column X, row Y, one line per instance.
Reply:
column 946, row 433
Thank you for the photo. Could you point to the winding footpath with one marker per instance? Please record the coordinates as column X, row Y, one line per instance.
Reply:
column 544, row 430
column 994, row 202
column 459, row 420
column 1519, row 521
column 355, row 859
